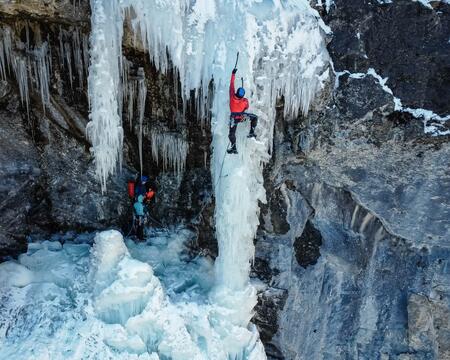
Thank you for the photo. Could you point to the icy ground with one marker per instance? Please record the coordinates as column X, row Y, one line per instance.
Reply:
column 116, row 299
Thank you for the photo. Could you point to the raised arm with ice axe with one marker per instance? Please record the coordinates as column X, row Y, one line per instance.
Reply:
column 238, row 105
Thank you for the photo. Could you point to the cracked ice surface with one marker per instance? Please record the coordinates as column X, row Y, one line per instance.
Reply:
column 116, row 300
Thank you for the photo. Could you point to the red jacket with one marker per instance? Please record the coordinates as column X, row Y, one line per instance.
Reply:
column 237, row 105
column 149, row 195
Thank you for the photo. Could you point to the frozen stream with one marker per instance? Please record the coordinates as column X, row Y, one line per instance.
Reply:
column 116, row 300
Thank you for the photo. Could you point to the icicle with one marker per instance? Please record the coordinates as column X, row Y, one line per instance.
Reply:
column 61, row 48
column 171, row 149
column 86, row 53
column 50, row 60
column 3, row 65
column 41, row 73
column 132, row 89
column 142, row 94
column 21, row 73
column 123, row 84
column 5, row 52
column 68, row 58
column 78, row 55
column 36, row 66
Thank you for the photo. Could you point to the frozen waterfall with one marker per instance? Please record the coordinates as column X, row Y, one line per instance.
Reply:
column 282, row 53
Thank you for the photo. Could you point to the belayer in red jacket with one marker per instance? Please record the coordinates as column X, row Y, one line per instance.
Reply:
column 238, row 106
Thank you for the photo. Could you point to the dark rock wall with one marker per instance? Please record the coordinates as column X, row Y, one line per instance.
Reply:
column 355, row 236
column 402, row 40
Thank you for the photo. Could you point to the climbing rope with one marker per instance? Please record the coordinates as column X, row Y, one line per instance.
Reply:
column 132, row 227
column 221, row 166
column 216, row 184
column 156, row 221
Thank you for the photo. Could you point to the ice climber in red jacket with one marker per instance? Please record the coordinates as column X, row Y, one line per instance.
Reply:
column 238, row 106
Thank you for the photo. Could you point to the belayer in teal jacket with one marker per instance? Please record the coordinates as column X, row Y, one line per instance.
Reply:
column 139, row 206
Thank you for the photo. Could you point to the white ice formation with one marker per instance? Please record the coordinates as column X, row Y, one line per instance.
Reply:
column 105, row 128
column 113, row 301
column 116, row 300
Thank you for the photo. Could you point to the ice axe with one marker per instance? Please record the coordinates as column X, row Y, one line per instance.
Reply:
column 235, row 66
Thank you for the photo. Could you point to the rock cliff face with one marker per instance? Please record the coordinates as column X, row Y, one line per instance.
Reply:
column 354, row 242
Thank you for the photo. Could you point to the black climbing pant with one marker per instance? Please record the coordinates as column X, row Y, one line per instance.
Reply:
column 140, row 227
column 237, row 118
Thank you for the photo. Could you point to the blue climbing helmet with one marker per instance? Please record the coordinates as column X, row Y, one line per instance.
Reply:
column 240, row 92
column 144, row 179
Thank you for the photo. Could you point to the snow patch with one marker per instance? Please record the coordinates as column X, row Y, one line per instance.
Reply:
column 426, row 3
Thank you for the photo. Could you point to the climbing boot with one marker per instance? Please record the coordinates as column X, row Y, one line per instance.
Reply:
column 232, row 150
column 251, row 135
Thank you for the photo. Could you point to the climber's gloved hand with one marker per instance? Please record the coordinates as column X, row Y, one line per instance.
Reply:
column 234, row 71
